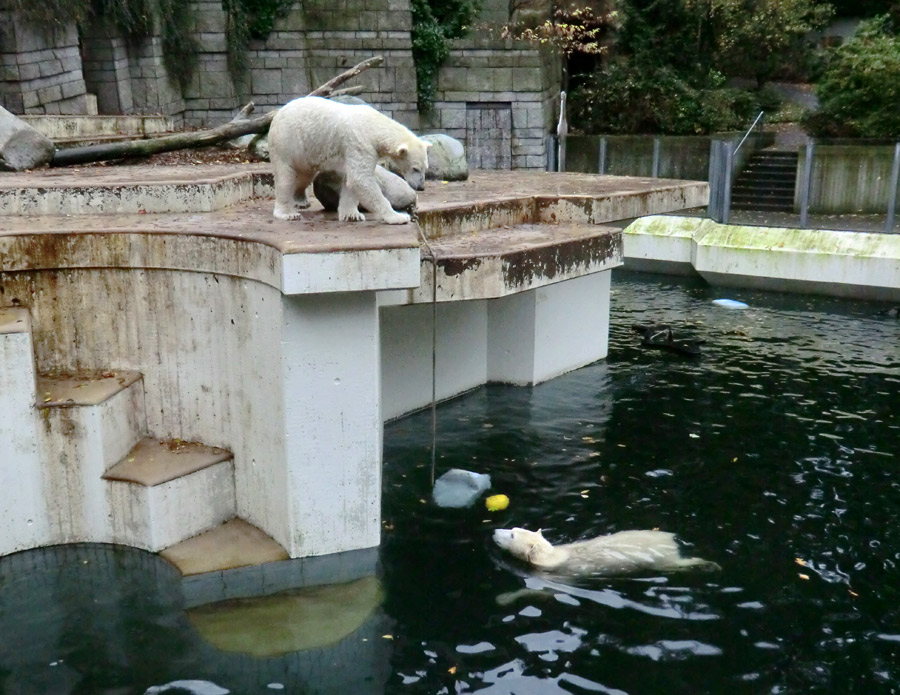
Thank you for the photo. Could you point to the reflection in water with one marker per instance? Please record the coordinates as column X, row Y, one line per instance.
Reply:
column 288, row 622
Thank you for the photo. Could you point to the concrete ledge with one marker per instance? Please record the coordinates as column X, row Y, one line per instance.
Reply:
column 861, row 265
column 152, row 462
column 233, row 544
column 85, row 389
column 72, row 128
column 137, row 190
column 501, row 262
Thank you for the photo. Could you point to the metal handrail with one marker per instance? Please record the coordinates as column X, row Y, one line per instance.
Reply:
column 749, row 130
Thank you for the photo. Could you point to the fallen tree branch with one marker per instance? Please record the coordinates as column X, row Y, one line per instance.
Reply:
column 200, row 138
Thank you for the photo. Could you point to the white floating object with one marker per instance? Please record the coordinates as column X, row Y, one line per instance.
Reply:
column 730, row 303
column 459, row 488
column 194, row 687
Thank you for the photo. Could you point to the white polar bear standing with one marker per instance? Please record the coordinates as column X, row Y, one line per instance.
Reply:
column 312, row 134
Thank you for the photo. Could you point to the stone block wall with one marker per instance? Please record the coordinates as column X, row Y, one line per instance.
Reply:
column 486, row 75
column 498, row 98
column 127, row 75
column 40, row 68
column 310, row 45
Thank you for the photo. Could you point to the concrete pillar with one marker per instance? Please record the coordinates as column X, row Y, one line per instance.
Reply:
column 331, row 390
column 536, row 335
column 23, row 518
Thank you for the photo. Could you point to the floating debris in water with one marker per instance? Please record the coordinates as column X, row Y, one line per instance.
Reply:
column 496, row 503
column 193, row 687
column 459, row 488
column 730, row 303
column 661, row 336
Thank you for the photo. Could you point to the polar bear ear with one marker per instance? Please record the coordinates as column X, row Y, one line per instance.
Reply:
column 402, row 150
column 426, row 143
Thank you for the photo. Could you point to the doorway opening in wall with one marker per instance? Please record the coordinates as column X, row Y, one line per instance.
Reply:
column 489, row 134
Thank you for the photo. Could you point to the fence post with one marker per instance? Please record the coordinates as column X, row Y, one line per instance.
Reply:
column 806, row 185
column 551, row 153
column 728, row 146
column 712, row 209
column 892, row 192
column 654, row 167
column 601, row 157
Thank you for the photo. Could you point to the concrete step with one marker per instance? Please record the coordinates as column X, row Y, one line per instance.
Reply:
column 163, row 492
column 90, row 421
column 762, row 194
column 762, row 206
column 21, row 484
column 755, row 175
column 235, row 543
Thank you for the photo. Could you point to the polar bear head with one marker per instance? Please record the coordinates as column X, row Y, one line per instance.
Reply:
column 530, row 546
column 409, row 159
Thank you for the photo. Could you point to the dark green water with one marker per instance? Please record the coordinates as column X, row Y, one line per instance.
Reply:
column 780, row 444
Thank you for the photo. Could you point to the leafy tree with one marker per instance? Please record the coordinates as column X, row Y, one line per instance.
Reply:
column 435, row 24
column 761, row 38
column 626, row 98
column 859, row 92
column 571, row 31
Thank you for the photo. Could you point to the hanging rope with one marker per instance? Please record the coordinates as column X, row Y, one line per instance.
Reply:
column 433, row 258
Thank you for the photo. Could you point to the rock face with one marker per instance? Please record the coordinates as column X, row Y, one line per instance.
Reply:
column 446, row 158
column 21, row 146
column 327, row 188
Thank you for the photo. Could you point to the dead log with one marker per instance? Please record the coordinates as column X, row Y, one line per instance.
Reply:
column 200, row 138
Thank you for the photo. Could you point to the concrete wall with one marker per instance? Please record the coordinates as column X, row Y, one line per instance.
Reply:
column 811, row 261
column 681, row 157
column 311, row 44
column 848, row 179
column 499, row 98
column 197, row 385
column 40, row 68
column 486, row 83
column 128, row 76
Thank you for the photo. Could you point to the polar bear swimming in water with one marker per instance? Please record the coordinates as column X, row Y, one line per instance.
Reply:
column 625, row 552
column 312, row 134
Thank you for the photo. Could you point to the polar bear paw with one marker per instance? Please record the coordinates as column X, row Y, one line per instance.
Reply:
column 351, row 216
column 289, row 215
column 397, row 218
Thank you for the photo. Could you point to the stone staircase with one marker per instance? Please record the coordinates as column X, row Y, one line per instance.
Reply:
column 77, row 465
column 767, row 182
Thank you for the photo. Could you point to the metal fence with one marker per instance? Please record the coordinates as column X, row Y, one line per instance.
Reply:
column 852, row 187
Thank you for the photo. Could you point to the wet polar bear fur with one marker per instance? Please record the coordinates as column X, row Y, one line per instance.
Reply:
column 625, row 552
column 312, row 134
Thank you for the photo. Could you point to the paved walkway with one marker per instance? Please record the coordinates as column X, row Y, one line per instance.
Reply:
column 791, row 220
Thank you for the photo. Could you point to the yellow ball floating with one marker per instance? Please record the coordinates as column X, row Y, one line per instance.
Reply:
column 495, row 503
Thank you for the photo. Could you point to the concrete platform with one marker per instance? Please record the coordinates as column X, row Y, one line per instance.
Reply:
column 286, row 343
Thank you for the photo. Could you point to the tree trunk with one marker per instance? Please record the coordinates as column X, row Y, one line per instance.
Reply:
column 200, row 138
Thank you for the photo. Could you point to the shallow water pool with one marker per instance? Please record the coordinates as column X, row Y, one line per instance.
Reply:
column 774, row 454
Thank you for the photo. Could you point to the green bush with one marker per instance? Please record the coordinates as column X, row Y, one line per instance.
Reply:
column 625, row 98
column 859, row 92
column 435, row 24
